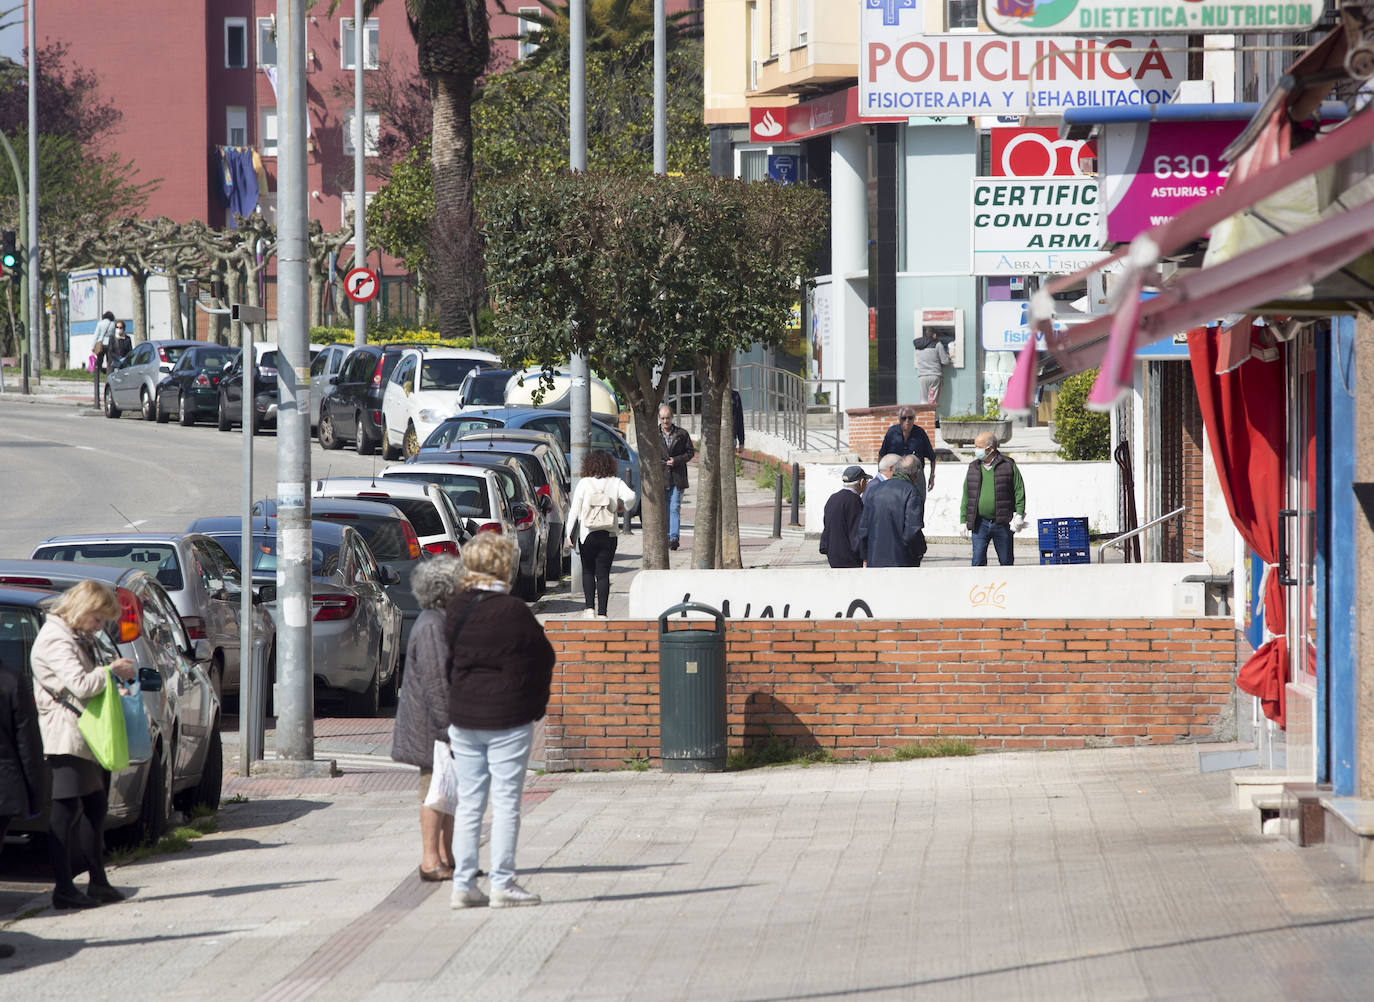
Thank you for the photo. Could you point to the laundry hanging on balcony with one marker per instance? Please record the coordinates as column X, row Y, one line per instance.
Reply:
column 236, row 181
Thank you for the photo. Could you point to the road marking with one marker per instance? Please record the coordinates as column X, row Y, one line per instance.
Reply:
column 87, row 448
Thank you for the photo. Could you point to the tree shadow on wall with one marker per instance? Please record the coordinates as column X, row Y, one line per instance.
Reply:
column 773, row 734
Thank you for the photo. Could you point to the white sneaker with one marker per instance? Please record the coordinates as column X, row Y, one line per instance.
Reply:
column 588, row 613
column 471, row 897
column 513, row 896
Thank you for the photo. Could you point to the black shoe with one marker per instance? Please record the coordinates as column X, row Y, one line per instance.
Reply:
column 104, row 894
column 73, row 899
column 672, row 544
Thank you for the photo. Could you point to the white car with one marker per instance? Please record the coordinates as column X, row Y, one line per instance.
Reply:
column 422, row 391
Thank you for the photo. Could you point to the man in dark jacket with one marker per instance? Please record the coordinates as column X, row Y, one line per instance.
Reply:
column 23, row 792
column 842, row 512
column 677, row 453
column 993, row 503
column 907, row 438
column 890, row 529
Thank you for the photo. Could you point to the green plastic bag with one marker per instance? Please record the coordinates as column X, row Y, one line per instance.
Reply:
column 102, row 725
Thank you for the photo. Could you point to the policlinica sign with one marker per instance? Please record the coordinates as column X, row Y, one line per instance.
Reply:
column 902, row 70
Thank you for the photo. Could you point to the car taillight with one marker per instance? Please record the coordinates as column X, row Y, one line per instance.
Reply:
column 377, row 380
column 130, row 615
column 525, row 519
column 444, row 546
column 331, row 607
column 162, row 354
column 544, row 491
column 267, row 372
column 377, row 418
column 195, row 627
column 203, row 380
column 18, row 579
column 412, row 540
column 490, row 527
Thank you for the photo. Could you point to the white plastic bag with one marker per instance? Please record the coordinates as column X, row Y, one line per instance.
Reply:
column 443, row 787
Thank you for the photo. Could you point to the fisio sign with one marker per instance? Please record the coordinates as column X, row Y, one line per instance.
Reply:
column 1028, row 227
column 902, row 70
column 1039, row 153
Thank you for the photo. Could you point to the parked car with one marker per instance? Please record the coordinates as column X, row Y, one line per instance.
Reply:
column 437, row 522
column 351, row 401
column 265, row 395
column 484, row 388
column 556, row 423
column 356, row 626
column 389, row 535
column 133, row 382
column 198, row 576
column 423, row 390
column 324, row 364
column 474, row 493
column 187, row 763
column 525, row 385
column 540, row 469
column 191, row 389
column 560, row 458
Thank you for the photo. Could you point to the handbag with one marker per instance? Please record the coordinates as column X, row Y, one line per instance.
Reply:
column 102, row 725
column 136, row 723
column 443, row 787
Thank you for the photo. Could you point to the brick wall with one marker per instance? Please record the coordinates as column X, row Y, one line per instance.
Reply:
column 868, row 425
column 860, row 686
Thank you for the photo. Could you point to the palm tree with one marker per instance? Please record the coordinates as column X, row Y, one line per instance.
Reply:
column 453, row 43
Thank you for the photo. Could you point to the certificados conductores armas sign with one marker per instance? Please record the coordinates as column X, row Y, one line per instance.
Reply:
column 1157, row 17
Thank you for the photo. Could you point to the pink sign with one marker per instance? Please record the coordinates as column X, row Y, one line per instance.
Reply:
column 1153, row 171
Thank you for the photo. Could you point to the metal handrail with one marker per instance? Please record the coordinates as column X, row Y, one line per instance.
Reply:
column 775, row 401
column 1102, row 550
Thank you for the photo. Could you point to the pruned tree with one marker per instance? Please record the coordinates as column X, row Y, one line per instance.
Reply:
column 324, row 249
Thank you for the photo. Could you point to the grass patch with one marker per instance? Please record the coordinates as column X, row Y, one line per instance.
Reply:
column 177, row 840
column 638, row 762
column 237, row 798
column 939, row 748
column 776, row 751
column 66, row 374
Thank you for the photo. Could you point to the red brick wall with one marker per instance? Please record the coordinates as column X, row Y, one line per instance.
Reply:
column 860, row 686
column 868, row 425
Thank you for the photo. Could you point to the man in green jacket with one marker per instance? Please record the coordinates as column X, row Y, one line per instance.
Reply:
column 993, row 502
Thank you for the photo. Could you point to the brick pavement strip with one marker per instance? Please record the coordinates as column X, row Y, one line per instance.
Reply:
column 1099, row 874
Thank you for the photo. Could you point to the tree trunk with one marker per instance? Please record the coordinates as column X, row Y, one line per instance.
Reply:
column 178, row 330
column 138, row 289
column 644, row 398
column 225, row 331
column 729, row 495
column 706, row 526
column 421, row 298
column 456, row 252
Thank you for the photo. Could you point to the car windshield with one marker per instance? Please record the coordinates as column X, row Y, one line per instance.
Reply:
column 448, row 431
column 172, row 352
column 267, row 360
column 487, row 388
column 444, row 373
column 212, row 359
column 467, row 491
column 324, row 556
column 158, row 559
column 385, row 537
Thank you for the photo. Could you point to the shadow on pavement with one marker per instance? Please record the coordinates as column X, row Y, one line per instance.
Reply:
column 646, row 895
column 597, row 868
column 229, row 892
column 31, row 951
column 265, row 813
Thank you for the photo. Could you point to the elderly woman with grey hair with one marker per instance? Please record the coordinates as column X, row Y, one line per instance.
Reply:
column 422, row 711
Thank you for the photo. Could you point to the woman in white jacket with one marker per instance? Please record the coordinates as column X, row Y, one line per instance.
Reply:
column 592, row 515
column 65, row 678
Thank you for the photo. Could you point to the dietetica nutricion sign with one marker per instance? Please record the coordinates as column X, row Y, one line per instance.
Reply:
column 1029, row 227
column 1159, row 17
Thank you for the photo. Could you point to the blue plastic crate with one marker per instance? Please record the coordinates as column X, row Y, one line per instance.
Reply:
column 1063, row 534
column 1065, row 556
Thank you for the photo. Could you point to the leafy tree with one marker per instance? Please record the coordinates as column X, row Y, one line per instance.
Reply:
column 623, row 26
column 398, row 218
column 645, row 275
column 1082, row 434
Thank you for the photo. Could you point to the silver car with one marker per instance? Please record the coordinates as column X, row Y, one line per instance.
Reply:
column 356, row 627
column 200, row 578
column 327, row 363
column 133, row 382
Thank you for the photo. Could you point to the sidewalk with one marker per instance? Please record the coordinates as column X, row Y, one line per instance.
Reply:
column 1096, row 875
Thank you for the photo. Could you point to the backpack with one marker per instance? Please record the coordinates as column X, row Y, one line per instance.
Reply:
column 600, row 510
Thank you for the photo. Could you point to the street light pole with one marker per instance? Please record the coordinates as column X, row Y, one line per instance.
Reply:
column 660, row 88
column 359, row 168
column 580, row 393
column 35, row 280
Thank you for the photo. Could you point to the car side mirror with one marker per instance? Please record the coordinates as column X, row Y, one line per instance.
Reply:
column 545, row 503
column 267, row 593
column 150, row 679
column 390, row 575
column 333, row 381
column 201, row 651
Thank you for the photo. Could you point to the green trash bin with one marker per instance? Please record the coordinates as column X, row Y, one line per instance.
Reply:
column 691, row 693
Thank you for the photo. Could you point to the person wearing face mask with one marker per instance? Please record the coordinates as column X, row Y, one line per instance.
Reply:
column 993, row 503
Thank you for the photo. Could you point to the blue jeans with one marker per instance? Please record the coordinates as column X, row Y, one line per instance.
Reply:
column 985, row 530
column 672, row 497
column 488, row 761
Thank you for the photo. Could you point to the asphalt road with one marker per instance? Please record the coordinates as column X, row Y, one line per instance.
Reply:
column 66, row 469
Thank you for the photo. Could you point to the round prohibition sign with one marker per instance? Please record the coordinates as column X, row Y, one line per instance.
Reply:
column 361, row 285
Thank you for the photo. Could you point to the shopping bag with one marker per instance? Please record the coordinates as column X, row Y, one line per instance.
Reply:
column 102, row 725
column 136, row 723
column 443, row 787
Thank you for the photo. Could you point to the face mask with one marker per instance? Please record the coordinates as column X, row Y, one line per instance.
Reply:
column 980, row 454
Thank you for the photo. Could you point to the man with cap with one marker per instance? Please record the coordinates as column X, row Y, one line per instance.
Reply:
column 842, row 512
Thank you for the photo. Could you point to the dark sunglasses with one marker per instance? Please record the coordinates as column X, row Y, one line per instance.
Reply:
column 907, row 418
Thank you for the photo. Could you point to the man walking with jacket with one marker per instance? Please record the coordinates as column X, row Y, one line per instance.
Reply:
column 994, row 502
column 891, row 528
column 677, row 453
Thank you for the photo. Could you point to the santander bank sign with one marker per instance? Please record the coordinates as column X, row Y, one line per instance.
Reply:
column 902, row 70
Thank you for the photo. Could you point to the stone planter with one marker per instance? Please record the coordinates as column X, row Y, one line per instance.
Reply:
column 964, row 432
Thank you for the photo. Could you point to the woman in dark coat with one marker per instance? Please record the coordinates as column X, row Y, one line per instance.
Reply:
column 422, row 711
column 500, row 668
column 22, row 792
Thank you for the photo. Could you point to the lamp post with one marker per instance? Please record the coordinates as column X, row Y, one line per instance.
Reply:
column 359, row 167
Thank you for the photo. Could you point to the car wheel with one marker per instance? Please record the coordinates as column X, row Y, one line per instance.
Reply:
column 363, row 442
column 156, row 807
column 325, row 431
column 145, row 404
column 527, row 586
column 389, row 451
column 410, row 442
column 365, row 703
column 553, row 563
column 392, row 689
column 206, row 793
column 217, row 675
column 185, row 414
column 222, row 415
column 158, row 412
column 111, row 411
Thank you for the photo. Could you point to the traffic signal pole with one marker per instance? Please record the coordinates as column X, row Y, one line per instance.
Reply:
column 32, row 286
column 24, row 275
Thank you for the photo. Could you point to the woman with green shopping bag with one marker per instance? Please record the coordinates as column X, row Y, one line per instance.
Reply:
column 66, row 677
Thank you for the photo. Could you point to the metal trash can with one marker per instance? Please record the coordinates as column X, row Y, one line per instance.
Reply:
column 691, row 693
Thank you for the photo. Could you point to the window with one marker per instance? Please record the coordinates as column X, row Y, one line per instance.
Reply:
column 346, row 43
column 801, row 22
column 774, row 27
column 372, row 125
column 961, row 14
column 236, row 125
column 752, row 47
column 753, row 165
column 267, row 41
column 267, row 131
column 526, row 25
column 235, row 43
column 346, row 207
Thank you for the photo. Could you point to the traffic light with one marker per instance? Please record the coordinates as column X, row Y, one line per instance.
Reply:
column 9, row 255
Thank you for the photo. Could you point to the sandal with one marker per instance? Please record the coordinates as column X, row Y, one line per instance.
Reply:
column 437, row 875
